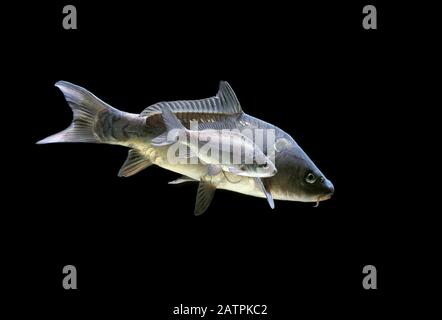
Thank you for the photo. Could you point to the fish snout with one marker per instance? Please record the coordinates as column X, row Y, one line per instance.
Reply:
column 330, row 187
column 328, row 190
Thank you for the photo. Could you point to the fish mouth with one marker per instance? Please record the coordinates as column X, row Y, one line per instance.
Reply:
column 323, row 198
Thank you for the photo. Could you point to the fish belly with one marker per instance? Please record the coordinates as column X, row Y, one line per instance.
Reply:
column 244, row 185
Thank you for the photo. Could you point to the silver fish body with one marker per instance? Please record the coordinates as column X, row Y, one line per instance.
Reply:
column 297, row 177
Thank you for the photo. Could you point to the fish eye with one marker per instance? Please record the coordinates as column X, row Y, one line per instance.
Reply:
column 263, row 165
column 310, row 178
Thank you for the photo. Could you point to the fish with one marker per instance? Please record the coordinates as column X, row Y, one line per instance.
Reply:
column 221, row 150
column 94, row 121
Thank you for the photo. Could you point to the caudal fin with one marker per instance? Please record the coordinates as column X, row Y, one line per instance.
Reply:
column 86, row 108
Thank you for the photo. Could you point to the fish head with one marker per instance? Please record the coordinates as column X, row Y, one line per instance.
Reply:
column 298, row 178
column 258, row 165
column 260, row 170
column 263, row 166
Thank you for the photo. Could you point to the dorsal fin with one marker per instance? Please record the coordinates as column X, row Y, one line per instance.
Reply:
column 225, row 102
column 228, row 98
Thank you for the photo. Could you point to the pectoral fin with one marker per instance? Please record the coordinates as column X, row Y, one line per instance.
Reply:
column 206, row 191
column 134, row 163
column 182, row 179
column 266, row 192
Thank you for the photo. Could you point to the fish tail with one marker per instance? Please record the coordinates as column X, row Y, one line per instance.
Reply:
column 87, row 110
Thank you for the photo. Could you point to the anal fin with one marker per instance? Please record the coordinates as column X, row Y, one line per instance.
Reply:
column 134, row 163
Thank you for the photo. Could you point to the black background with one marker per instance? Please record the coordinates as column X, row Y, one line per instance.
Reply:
column 310, row 69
